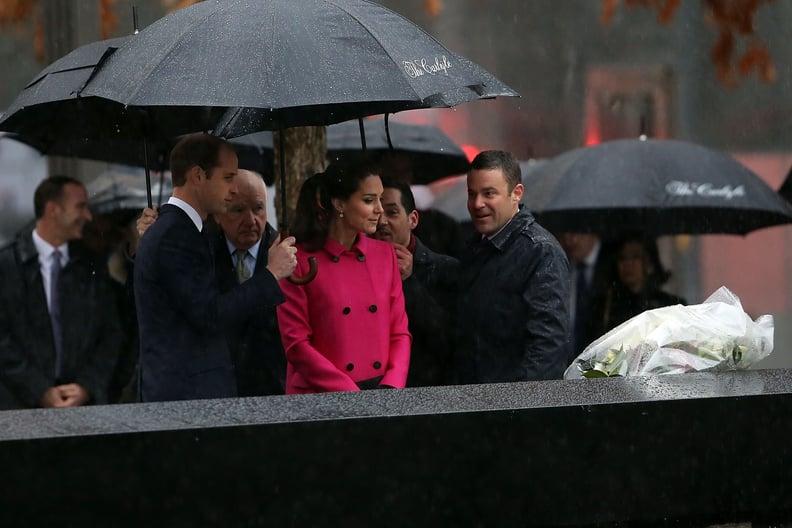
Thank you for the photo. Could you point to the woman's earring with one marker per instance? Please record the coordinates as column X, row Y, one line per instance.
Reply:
column 340, row 214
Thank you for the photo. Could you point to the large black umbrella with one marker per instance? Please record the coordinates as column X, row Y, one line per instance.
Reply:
column 275, row 64
column 659, row 186
column 433, row 154
column 284, row 63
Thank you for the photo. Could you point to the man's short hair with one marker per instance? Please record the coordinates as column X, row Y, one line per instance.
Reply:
column 407, row 197
column 195, row 149
column 501, row 160
column 51, row 190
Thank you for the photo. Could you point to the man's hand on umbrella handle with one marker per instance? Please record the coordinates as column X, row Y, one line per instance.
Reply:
column 282, row 257
column 144, row 221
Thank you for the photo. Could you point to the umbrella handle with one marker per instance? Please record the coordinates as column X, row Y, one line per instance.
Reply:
column 313, row 267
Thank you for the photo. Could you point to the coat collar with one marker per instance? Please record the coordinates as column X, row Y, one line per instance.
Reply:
column 421, row 253
column 27, row 248
column 502, row 240
column 361, row 245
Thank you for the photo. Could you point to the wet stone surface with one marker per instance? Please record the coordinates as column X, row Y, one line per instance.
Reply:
column 695, row 449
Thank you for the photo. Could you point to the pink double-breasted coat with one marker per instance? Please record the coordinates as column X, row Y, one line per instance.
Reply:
column 349, row 323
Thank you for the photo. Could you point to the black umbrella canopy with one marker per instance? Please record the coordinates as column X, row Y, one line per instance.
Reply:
column 659, row 186
column 254, row 151
column 433, row 154
column 283, row 63
column 50, row 108
column 52, row 115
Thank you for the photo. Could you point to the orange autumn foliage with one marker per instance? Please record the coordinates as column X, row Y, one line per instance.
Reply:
column 433, row 7
column 16, row 13
column 734, row 20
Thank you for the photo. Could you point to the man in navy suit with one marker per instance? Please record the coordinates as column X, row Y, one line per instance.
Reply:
column 182, row 314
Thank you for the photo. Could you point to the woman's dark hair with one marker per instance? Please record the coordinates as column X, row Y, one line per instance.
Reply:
column 315, row 208
column 659, row 275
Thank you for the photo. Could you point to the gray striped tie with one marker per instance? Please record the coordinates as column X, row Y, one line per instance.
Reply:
column 242, row 271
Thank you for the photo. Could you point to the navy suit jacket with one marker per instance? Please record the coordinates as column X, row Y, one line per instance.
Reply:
column 256, row 348
column 182, row 314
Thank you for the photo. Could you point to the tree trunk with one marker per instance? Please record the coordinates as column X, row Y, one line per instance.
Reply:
column 305, row 151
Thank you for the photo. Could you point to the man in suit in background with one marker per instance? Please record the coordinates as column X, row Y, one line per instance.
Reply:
column 429, row 282
column 587, row 268
column 60, row 333
column 183, row 316
column 240, row 252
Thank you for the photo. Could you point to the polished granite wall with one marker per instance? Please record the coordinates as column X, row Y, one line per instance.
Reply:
column 692, row 449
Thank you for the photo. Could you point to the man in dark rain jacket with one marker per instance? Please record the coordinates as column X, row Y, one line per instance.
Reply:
column 513, row 316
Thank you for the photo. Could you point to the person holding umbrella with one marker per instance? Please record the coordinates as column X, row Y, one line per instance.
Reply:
column 255, row 343
column 182, row 314
column 347, row 329
column 512, row 314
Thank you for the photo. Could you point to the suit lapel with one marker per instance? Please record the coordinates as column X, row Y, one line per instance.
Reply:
column 35, row 302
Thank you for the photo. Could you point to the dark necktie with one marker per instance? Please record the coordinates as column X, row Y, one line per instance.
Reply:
column 55, row 272
column 242, row 271
column 581, row 307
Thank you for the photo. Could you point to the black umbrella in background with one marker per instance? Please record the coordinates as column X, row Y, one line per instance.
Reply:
column 661, row 187
column 786, row 187
column 451, row 193
column 433, row 154
column 122, row 188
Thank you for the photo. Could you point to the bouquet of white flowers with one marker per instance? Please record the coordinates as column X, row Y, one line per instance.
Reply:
column 714, row 335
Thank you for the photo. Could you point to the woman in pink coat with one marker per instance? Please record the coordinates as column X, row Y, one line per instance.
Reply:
column 347, row 329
